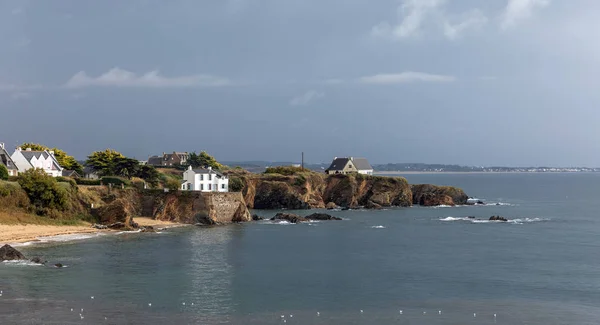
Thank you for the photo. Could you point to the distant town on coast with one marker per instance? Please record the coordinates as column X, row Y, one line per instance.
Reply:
column 259, row 166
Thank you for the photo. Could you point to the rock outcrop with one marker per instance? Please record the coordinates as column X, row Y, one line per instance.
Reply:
column 497, row 218
column 432, row 195
column 312, row 190
column 294, row 218
column 8, row 253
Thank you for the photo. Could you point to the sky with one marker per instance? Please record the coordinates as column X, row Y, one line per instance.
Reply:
column 496, row 82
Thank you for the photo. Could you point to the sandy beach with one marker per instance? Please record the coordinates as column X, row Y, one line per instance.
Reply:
column 25, row 233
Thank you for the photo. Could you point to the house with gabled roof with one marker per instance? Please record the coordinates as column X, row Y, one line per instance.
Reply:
column 204, row 180
column 45, row 160
column 349, row 165
column 7, row 161
column 169, row 159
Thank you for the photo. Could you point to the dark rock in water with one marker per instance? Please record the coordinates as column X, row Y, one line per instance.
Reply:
column 38, row 260
column 331, row 206
column 293, row 218
column 374, row 206
column 480, row 203
column 322, row 216
column 59, row 265
column 345, row 208
column 471, row 217
column 117, row 226
column 498, row 218
column 147, row 229
column 256, row 217
column 498, row 204
column 8, row 253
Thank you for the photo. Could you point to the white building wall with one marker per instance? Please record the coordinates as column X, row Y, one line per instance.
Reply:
column 47, row 164
column 205, row 182
column 366, row 171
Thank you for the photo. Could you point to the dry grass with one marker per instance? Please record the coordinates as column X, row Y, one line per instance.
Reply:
column 15, row 217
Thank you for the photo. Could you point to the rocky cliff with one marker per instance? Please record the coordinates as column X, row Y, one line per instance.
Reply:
column 313, row 190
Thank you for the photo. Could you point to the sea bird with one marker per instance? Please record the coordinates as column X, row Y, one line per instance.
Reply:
column 318, row 313
column 400, row 311
column 361, row 311
column 474, row 315
column 149, row 304
column 92, row 297
column 439, row 312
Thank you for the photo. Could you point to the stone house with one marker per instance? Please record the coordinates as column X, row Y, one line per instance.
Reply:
column 169, row 159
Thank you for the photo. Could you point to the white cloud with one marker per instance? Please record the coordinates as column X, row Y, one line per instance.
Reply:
column 412, row 13
column 518, row 10
column 117, row 77
column 469, row 20
column 306, row 98
column 405, row 77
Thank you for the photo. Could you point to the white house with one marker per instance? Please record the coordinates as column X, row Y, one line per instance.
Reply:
column 350, row 165
column 27, row 159
column 7, row 161
column 204, row 180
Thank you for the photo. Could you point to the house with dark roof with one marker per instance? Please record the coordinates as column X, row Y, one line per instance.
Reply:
column 169, row 159
column 7, row 161
column 70, row 173
column 204, row 180
column 349, row 165
column 45, row 160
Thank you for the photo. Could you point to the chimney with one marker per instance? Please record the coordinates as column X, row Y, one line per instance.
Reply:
column 1, row 145
column 209, row 168
column 190, row 167
column 334, row 158
column 28, row 149
column 51, row 152
column 19, row 149
column 351, row 158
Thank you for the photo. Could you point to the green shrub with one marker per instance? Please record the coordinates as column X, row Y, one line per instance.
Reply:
column 3, row 172
column 284, row 170
column 117, row 181
column 300, row 180
column 83, row 181
column 43, row 191
column 173, row 184
column 13, row 178
column 236, row 184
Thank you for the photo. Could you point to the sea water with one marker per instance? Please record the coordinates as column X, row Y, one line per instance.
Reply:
column 396, row 266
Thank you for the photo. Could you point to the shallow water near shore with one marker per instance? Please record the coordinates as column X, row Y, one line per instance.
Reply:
column 399, row 266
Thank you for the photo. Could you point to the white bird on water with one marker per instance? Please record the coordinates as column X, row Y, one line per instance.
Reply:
column 291, row 316
column 149, row 304
column 92, row 297
column 318, row 313
column 183, row 303
column 361, row 311
column 474, row 315
column 439, row 312
column 400, row 312
column 82, row 310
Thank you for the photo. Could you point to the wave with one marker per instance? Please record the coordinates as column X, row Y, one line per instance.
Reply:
column 22, row 263
column 518, row 221
column 378, row 227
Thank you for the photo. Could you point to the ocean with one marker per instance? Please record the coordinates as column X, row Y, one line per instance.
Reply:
column 396, row 266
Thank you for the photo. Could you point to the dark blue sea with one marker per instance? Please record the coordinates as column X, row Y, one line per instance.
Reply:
column 397, row 266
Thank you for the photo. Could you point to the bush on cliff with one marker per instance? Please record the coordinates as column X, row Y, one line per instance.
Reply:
column 43, row 191
column 236, row 184
column 3, row 172
column 285, row 170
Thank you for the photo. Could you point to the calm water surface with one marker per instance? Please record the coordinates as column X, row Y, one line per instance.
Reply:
column 541, row 268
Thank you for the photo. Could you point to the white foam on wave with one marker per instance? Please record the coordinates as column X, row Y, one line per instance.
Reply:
column 68, row 237
column 518, row 221
column 378, row 227
column 22, row 263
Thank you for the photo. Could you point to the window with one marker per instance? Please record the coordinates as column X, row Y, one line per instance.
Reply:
column 210, row 187
column 223, row 186
column 189, row 186
column 210, row 177
column 201, row 177
column 201, row 187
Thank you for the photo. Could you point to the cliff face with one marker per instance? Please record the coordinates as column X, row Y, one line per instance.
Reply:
column 312, row 190
column 195, row 207
column 431, row 195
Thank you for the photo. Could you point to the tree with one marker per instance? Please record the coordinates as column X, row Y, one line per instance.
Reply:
column 203, row 160
column 126, row 167
column 43, row 191
column 173, row 184
column 149, row 174
column 103, row 162
column 63, row 159
column 3, row 172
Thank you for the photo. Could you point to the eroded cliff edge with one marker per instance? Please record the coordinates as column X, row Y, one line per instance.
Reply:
column 313, row 190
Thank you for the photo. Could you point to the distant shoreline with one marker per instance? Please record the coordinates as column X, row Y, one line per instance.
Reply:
column 475, row 172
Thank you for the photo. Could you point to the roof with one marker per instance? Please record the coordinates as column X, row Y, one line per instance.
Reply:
column 207, row 171
column 361, row 164
column 70, row 173
column 155, row 160
column 338, row 164
column 88, row 170
column 6, row 160
column 30, row 154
